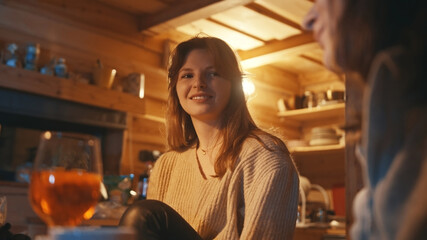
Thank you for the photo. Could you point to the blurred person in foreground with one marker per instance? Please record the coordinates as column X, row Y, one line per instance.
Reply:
column 224, row 177
column 383, row 42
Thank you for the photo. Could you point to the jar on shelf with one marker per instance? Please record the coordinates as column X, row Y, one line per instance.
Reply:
column 309, row 100
column 48, row 68
column 11, row 56
column 60, row 68
column 32, row 52
column 321, row 98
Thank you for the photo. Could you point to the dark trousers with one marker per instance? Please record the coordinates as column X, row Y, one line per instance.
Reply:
column 153, row 220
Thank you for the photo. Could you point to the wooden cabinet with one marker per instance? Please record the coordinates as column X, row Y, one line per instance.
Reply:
column 323, row 164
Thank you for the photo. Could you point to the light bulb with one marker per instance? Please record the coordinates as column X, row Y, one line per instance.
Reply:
column 248, row 87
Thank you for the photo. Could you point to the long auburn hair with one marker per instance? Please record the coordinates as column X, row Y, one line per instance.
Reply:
column 368, row 27
column 236, row 124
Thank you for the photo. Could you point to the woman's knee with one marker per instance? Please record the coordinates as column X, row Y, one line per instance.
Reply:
column 147, row 218
column 142, row 211
column 156, row 220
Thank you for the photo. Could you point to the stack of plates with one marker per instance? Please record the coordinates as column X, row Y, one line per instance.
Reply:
column 323, row 136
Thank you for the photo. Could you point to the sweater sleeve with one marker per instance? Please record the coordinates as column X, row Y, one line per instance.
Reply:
column 271, row 197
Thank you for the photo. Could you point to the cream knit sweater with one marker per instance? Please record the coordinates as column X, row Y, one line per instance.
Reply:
column 258, row 200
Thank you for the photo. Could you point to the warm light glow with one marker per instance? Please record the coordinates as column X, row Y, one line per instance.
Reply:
column 141, row 85
column 47, row 135
column 52, row 179
column 45, row 206
column 89, row 213
column 248, row 86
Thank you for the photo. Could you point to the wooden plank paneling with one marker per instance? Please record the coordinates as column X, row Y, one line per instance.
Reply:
column 320, row 77
column 235, row 39
column 273, row 78
column 265, row 11
column 298, row 65
column 294, row 10
column 75, row 37
column 137, row 7
column 180, row 14
column 143, row 133
column 325, row 168
column 91, row 13
column 251, row 22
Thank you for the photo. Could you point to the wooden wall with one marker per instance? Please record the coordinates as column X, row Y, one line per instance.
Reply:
column 84, row 31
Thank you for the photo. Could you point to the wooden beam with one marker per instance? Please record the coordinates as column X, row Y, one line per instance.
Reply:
column 277, row 45
column 312, row 59
column 184, row 13
column 267, row 12
column 272, row 51
column 235, row 29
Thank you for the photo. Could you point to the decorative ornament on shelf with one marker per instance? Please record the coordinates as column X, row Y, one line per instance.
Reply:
column 61, row 69
column 11, row 56
column 32, row 52
column 103, row 76
column 134, row 84
column 48, row 68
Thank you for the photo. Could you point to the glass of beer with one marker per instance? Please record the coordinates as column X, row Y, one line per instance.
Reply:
column 65, row 182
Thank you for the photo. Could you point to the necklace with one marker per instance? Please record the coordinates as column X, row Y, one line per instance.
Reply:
column 204, row 151
column 212, row 143
column 203, row 166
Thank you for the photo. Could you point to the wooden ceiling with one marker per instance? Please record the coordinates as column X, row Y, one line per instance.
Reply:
column 264, row 32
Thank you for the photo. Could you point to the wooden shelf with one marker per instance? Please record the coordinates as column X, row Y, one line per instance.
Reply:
column 70, row 90
column 308, row 114
column 324, row 165
column 325, row 149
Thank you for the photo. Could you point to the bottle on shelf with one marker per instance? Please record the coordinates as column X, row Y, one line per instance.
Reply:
column 143, row 182
column 60, row 68
column 32, row 52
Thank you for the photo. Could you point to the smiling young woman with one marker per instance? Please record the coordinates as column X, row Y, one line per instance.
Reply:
column 224, row 177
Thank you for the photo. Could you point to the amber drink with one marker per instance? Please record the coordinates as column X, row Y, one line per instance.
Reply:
column 64, row 197
column 65, row 182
